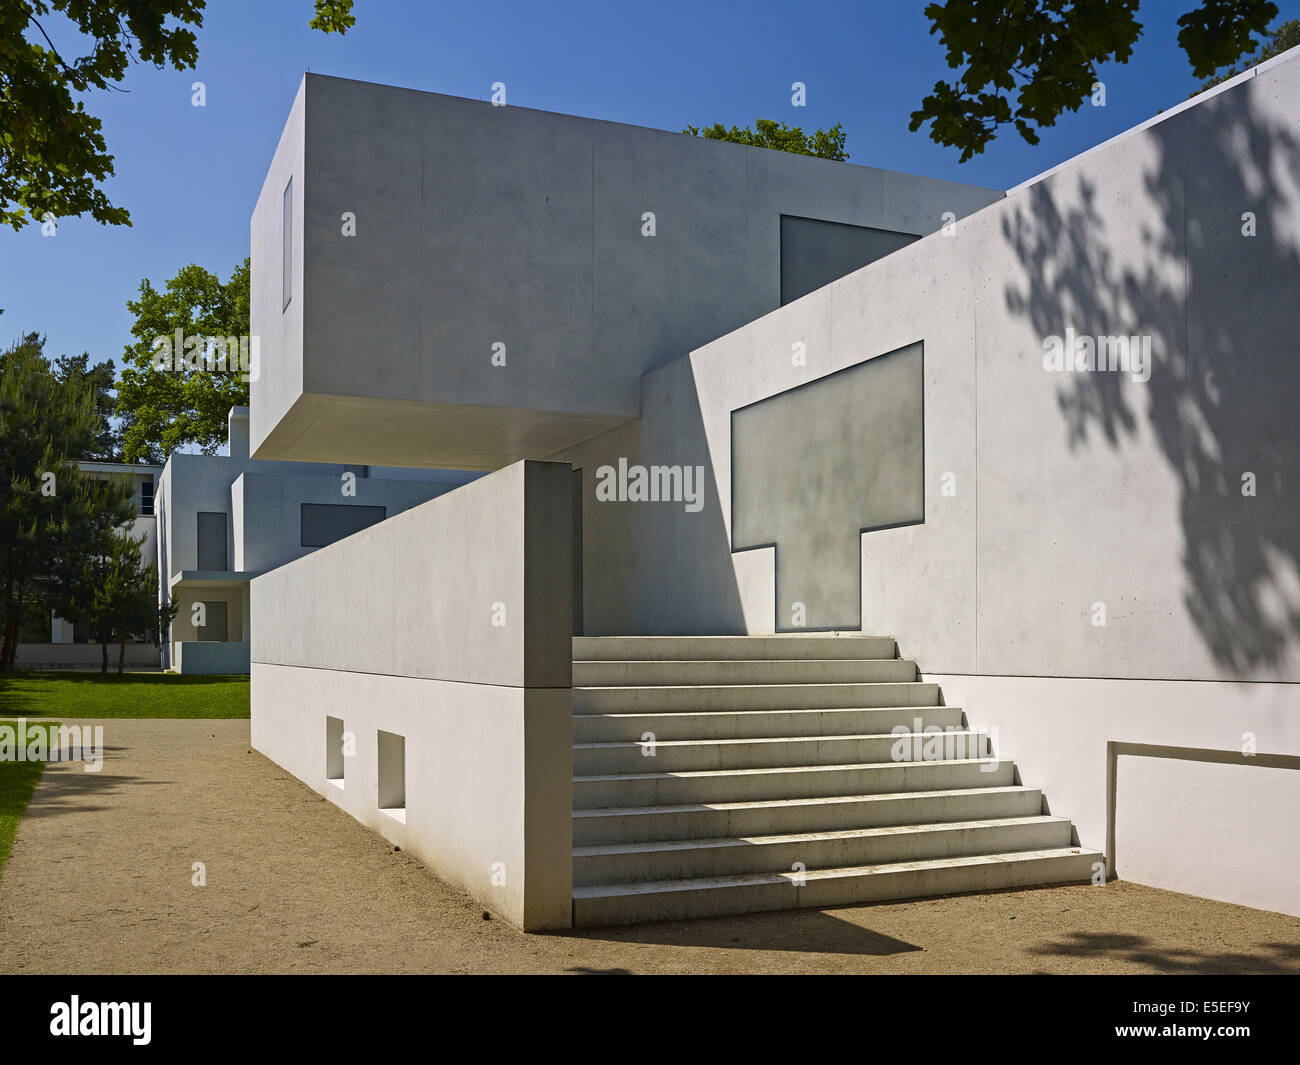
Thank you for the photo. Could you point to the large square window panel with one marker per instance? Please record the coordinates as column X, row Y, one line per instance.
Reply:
column 816, row 466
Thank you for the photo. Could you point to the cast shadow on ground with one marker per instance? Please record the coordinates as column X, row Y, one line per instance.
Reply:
column 66, row 788
column 805, row 931
column 1269, row 959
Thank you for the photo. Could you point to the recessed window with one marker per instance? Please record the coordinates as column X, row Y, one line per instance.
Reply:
column 324, row 523
column 815, row 252
column 334, row 750
column 286, row 252
column 392, row 775
column 215, row 621
column 211, row 547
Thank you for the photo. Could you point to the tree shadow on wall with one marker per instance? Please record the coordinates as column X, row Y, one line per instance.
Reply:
column 1223, row 309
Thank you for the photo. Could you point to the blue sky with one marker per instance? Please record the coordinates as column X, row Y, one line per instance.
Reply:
column 190, row 176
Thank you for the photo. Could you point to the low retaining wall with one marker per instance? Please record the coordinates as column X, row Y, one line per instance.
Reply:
column 85, row 656
column 428, row 659
column 210, row 656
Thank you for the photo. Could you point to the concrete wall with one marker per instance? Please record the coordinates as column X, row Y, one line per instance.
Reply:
column 261, row 498
column 1051, row 497
column 477, row 225
column 266, row 510
column 84, row 656
column 187, row 594
column 210, row 657
column 448, row 625
column 279, row 329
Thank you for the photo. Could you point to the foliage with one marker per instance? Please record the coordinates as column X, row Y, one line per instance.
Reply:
column 53, row 156
column 1026, row 62
column 163, row 410
column 53, row 518
column 824, row 143
column 1285, row 37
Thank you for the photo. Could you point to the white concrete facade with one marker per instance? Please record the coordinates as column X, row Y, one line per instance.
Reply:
column 1107, row 571
column 258, row 509
column 445, row 626
column 1105, row 563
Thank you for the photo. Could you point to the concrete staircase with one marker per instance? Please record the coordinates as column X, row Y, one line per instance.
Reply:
column 730, row 774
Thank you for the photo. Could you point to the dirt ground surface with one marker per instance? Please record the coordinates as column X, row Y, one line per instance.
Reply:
column 99, row 881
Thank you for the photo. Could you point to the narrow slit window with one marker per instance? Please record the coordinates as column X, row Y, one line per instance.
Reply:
column 286, row 255
column 334, row 750
column 392, row 775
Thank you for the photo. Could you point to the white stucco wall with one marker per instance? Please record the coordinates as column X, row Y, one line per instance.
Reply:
column 477, row 225
column 1049, row 493
column 450, row 626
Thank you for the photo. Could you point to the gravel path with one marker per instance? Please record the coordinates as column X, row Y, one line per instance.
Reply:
column 99, row 881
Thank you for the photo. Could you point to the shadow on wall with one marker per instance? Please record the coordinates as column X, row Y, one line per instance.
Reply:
column 657, row 568
column 1223, row 398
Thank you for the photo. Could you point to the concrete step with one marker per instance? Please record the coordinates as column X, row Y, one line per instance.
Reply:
column 665, row 699
column 801, row 782
column 668, row 900
column 639, row 824
column 743, row 671
column 675, row 756
column 623, row 863
column 712, row 648
column 732, row 724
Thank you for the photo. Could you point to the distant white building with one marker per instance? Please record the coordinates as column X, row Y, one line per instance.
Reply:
column 74, row 646
column 224, row 519
column 212, row 522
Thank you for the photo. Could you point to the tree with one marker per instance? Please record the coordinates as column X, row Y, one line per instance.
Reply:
column 1285, row 37
column 101, row 378
column 163, row 409
column 53, row 157
column 52, row 517
column 824, row 143
column 1026, row 62
column 119, row 596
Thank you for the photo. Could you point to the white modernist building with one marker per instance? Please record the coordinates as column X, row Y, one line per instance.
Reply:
column 210, row 523
column 70, row 646
column 748, row 413
column 224, row 519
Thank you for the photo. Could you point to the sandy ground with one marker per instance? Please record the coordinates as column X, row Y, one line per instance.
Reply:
column 99, row 881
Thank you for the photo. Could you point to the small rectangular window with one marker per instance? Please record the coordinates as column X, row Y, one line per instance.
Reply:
column 392, row 775
column 212, row 540
column 334, row 750
column 286, row 253
column 324, row 523
column 146, row 497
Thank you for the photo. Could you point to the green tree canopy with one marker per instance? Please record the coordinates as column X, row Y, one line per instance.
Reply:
column 824, row 143
column 1026, row 62
column 115, row 594
column 101, row 379
column 164, row 409
column 53, row 518
column 53, row 156
column 1285, row 37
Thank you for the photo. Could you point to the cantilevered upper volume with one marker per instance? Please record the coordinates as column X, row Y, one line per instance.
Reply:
column 439, row 281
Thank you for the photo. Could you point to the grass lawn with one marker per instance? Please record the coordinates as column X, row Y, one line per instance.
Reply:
column 68, row 694
column 17, row 782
